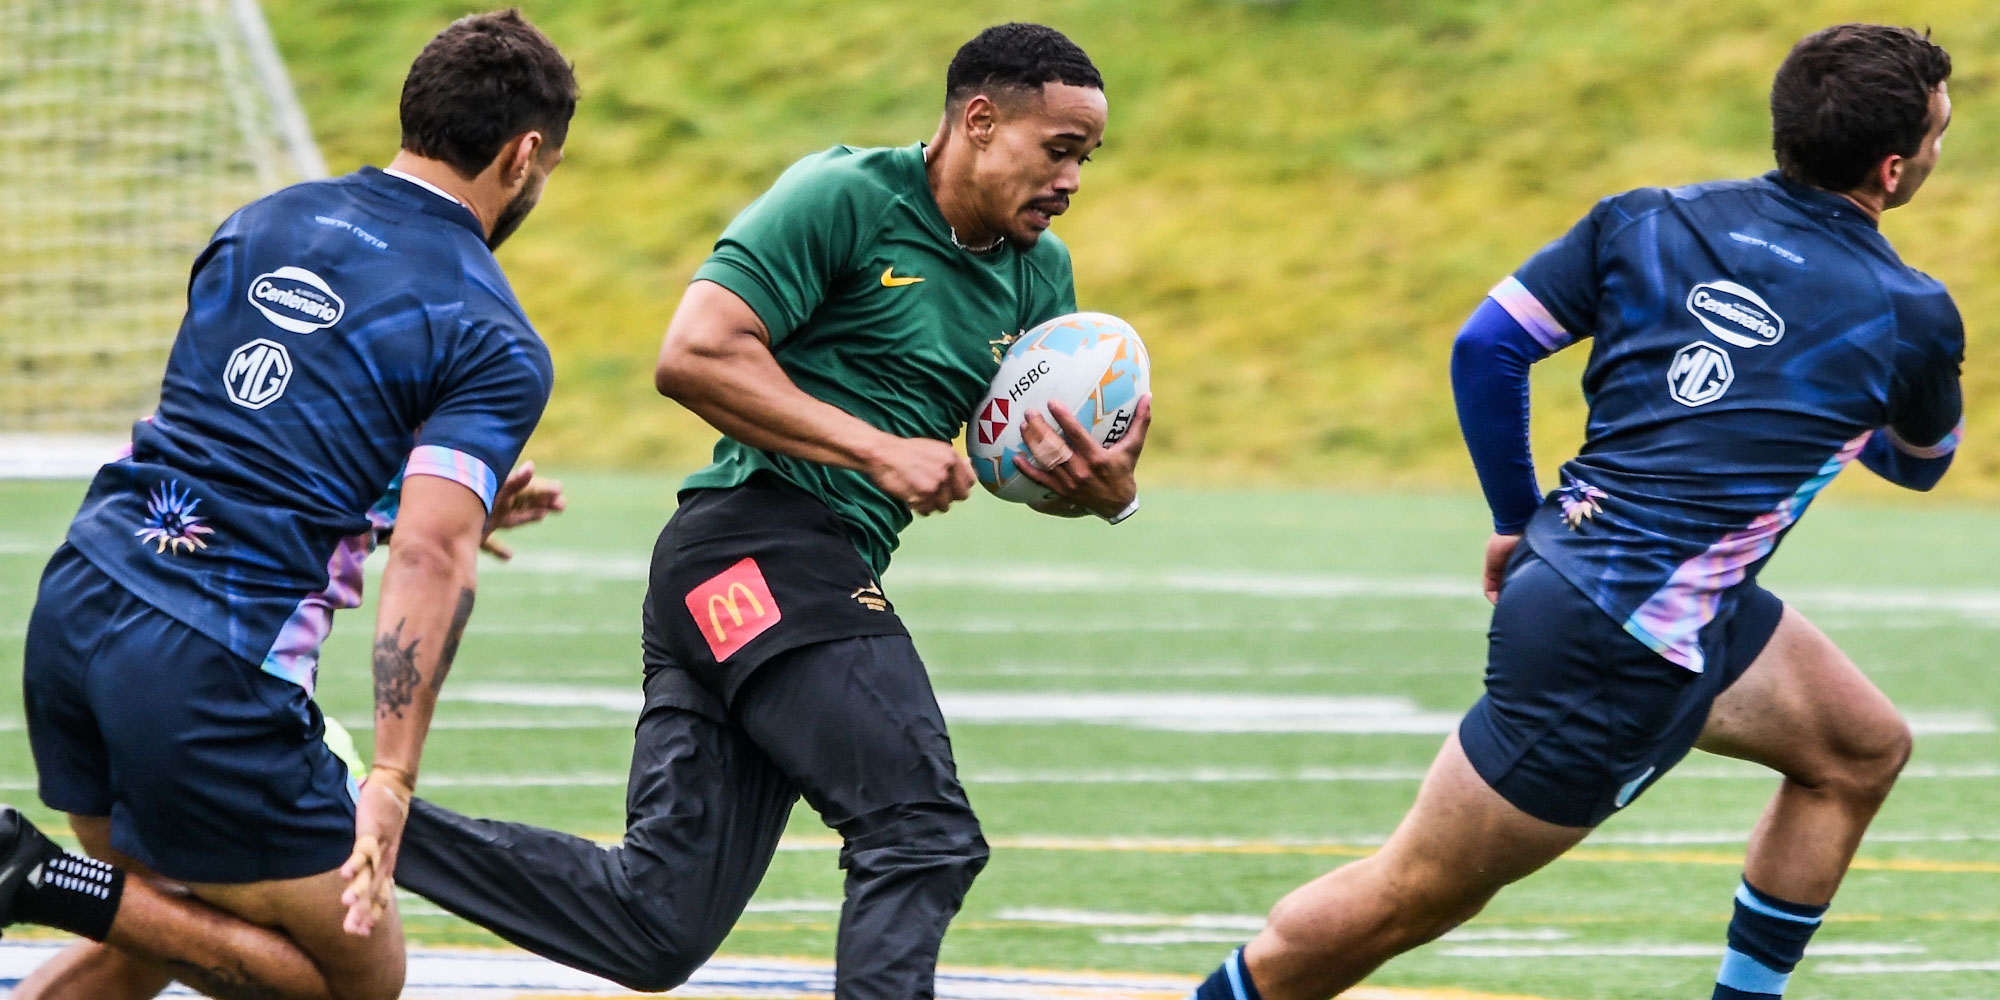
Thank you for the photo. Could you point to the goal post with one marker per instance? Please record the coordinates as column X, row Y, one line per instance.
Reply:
column 129, row 129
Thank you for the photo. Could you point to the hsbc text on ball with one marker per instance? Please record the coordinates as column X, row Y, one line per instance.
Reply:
column 1026, row 382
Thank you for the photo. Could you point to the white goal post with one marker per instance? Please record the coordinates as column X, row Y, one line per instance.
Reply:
column 129, row 129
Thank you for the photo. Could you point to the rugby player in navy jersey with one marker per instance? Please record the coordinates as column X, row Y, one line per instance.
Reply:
column 1749, row 338
column 352, row 360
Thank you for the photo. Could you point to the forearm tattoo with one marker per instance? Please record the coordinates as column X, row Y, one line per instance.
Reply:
column 396, row 675
column 458, row 620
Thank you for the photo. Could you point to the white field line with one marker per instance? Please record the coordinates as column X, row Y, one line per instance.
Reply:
column 412, row 904
column 1212, row 776
column 1153, row 938
column 1899, row 968
column 1296, row 626
column 1099, row 918
column 1648, row 950
column 1239, row 923
column 1976, row 603
column 1210, row 712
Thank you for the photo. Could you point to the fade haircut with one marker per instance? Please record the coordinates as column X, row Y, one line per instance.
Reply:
column 1016, row 57
column 481, row 82
column 1850, row 95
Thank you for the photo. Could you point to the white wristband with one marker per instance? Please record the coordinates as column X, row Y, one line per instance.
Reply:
column 1130, row 509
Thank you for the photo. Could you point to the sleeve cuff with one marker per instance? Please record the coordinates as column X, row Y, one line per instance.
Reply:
column 1944, row 447
column 749, row 286
column 457, row 466
column 1528, row 311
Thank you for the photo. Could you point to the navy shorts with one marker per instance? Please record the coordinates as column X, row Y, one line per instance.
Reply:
column 1579, row 716
column 210, row 769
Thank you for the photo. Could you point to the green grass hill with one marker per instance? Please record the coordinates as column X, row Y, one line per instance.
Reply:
column 1297, row 201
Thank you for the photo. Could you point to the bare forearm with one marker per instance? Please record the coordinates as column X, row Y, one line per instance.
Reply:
column 427, row 596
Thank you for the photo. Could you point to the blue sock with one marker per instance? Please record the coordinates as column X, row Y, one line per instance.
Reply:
column 1231, row 982
column 1767, row 937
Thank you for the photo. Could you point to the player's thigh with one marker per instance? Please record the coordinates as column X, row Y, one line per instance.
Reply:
column 855, row 725
column 308, row 911
column 1461, row 831
column 705, row 809
column 94, row 834
column 1802, row 704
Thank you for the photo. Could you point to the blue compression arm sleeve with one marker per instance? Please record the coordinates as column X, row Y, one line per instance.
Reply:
column 1910, row 471
column 1489, row 380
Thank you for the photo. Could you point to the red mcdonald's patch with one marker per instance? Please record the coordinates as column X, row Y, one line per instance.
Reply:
column 733, row 607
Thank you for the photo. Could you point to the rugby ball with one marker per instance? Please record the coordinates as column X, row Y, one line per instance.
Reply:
column 1092, row 363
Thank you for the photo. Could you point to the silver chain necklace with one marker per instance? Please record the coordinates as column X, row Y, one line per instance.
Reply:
column 988, row 248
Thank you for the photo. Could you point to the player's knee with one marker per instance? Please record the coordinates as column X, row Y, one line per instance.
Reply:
column 658, row 975
column 1393, row 909
column 942, row 840
column 381, row 979
column 680, row 944
column 1869, row 758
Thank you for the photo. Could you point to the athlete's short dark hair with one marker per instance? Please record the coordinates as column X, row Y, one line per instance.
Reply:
column 482, row 81
column 1849, row 95
column 1017, row 56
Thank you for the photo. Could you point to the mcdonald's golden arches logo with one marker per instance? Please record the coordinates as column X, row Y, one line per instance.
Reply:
column 733, row 607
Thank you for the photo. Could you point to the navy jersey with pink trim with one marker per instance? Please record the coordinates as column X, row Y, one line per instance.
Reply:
column 1747, row 340
column 339, row 335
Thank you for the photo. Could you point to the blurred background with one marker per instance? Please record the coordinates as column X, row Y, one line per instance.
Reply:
column 1296, row 204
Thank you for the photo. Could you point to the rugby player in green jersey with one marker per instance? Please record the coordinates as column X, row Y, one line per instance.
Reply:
column 844, row 328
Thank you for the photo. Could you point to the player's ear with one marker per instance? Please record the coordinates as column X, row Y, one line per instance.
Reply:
column 518, row 157
column 981, row 116
column 1889, row 173
column 525, row 149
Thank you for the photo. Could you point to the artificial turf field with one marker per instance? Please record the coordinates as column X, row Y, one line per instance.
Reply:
column 1167, row 725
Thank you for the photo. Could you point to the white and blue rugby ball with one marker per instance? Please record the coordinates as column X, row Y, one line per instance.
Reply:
column 1091, row 362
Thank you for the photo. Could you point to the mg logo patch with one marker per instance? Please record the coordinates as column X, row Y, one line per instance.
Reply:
column 257, row 373
column 1701, row 373
column 1735, row 314
column 733, row 607
column 296, row 300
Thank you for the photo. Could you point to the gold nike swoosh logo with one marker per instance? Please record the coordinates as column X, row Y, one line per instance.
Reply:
column 889, row 279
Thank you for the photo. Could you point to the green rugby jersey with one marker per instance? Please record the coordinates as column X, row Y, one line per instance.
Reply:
column 872, row 308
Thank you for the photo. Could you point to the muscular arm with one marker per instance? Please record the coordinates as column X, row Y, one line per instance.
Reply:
column 716, row 360
column 427, row 592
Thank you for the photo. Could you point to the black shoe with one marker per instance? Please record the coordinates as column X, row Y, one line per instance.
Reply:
column 22, row 851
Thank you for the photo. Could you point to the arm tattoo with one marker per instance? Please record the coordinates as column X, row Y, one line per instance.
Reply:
column 396, row 675
column 458, row 620
column 238, row 983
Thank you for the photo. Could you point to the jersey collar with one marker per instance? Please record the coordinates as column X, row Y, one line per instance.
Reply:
column 1821, row 201
column 408, row 194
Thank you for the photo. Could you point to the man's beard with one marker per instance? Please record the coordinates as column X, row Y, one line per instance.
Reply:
column 512, row 216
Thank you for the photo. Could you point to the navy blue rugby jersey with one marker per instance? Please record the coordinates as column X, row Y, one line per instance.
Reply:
column 1748, row 337
column 339, row 335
